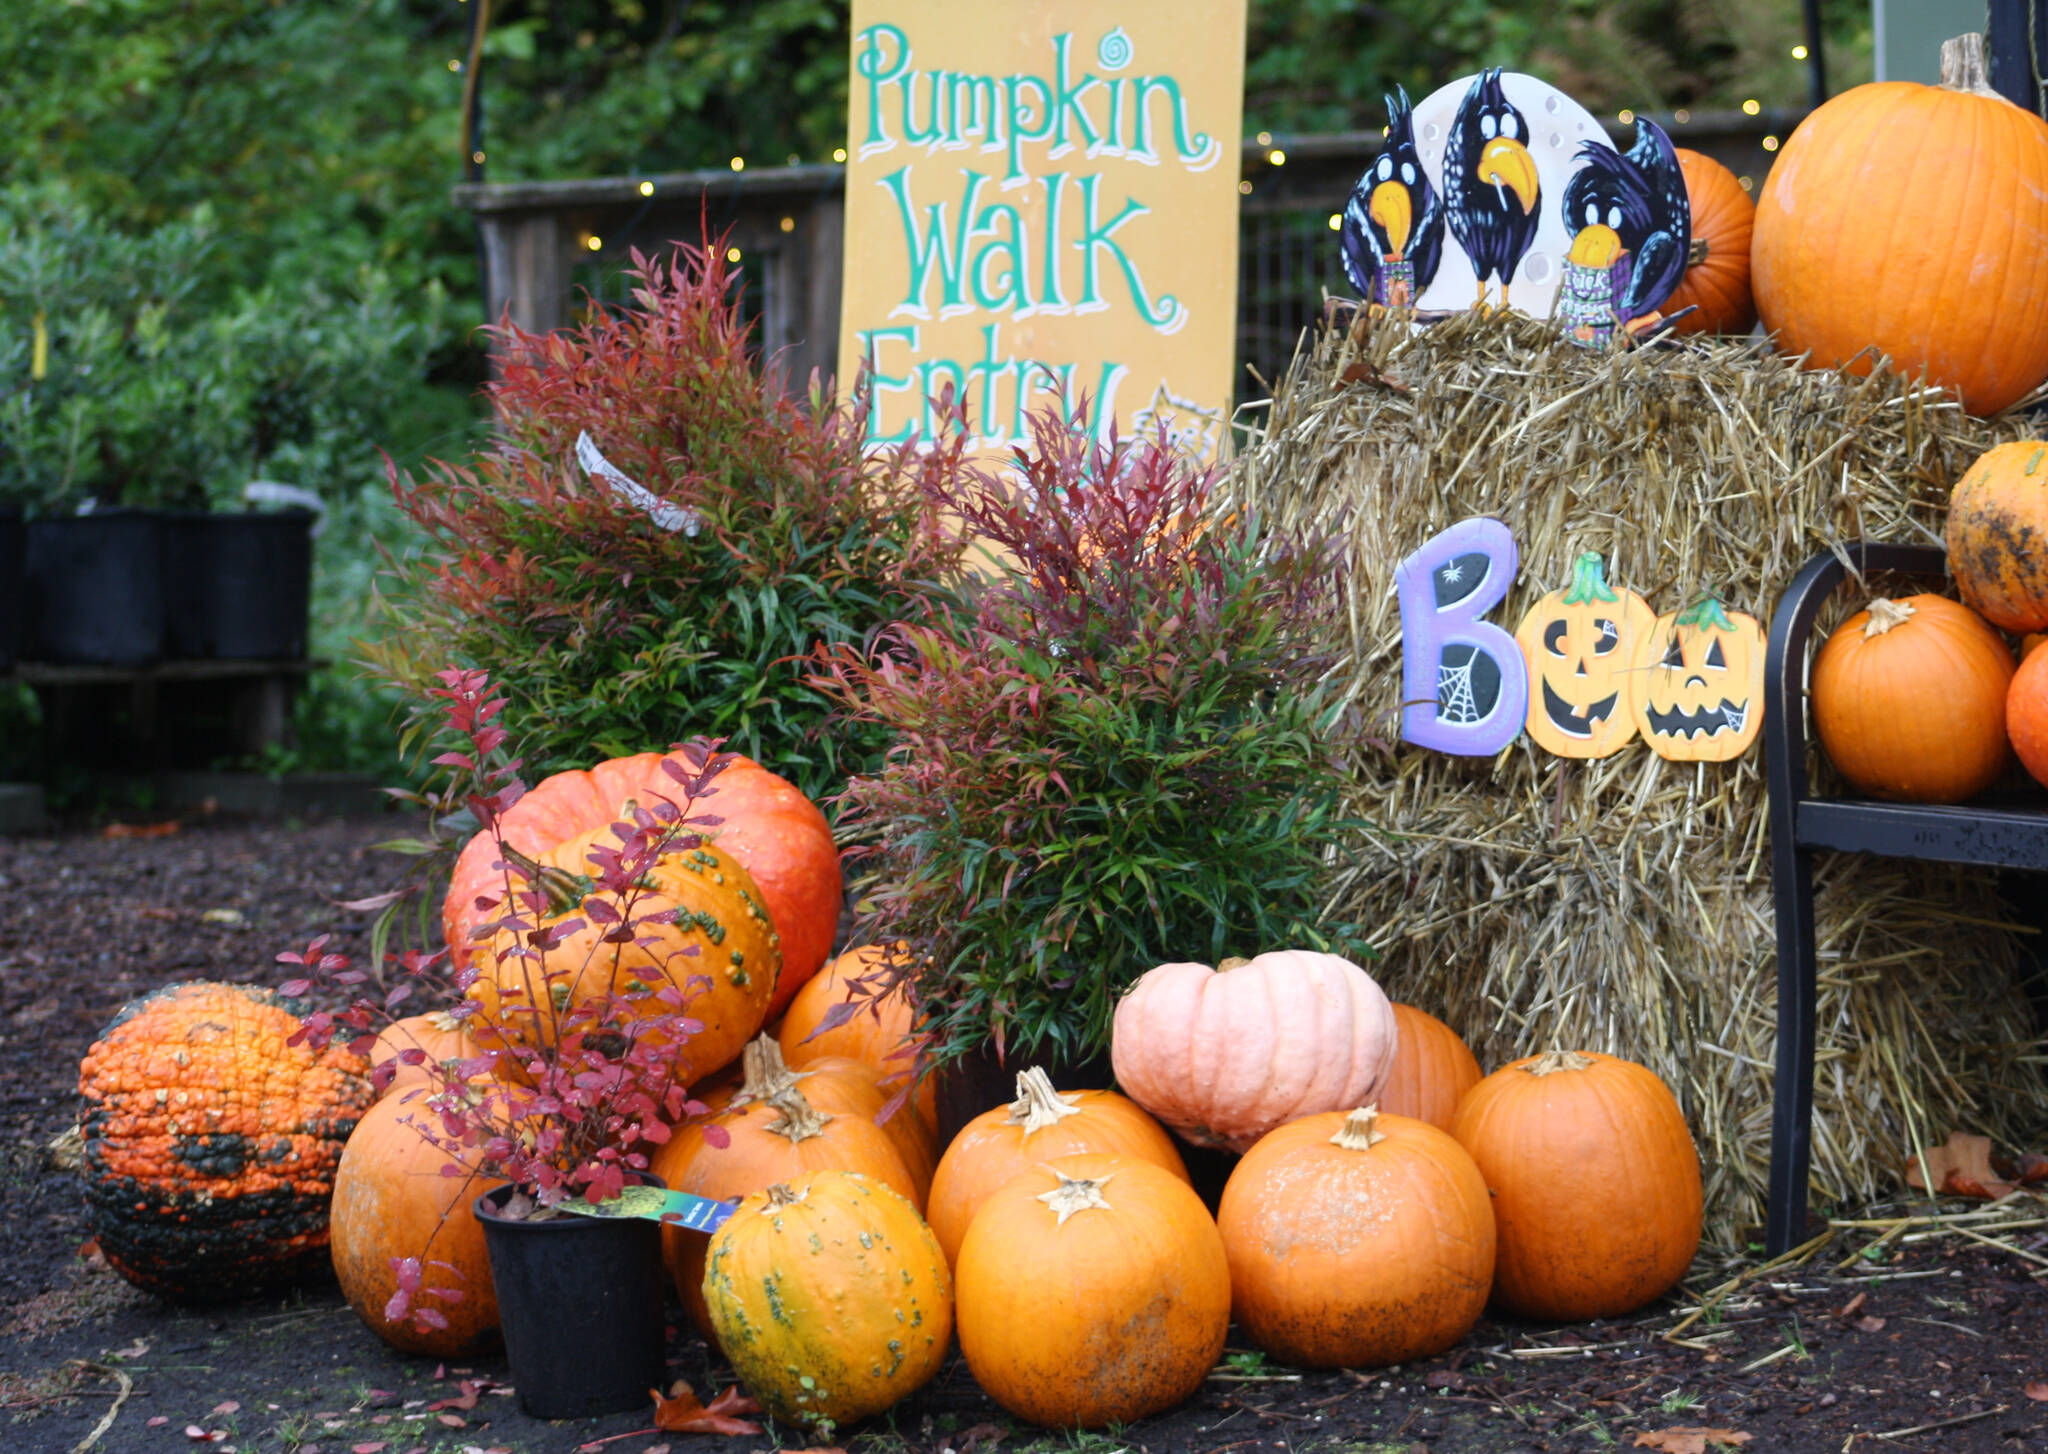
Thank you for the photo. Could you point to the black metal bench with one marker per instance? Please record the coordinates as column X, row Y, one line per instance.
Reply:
column 1992, row 835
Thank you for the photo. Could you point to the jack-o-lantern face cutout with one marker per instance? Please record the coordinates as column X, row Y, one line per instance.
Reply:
column 1578, row 643
column 1697, row 688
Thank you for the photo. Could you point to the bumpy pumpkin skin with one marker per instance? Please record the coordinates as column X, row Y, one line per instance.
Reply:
column 774, row 831
column 1907, row 220
column 1596, row 1185
column 1578, row 642
column 1433, row 1068
column 830, row 1297
column 1092, row 1290
column 720, row 917
column 1909, row 700
column 210, row 1145
column 1357, row 1240
column 1998, row 535
column 1039, row 1125
column 1716, row 280
column 1224, row 1055
column 391, row 1200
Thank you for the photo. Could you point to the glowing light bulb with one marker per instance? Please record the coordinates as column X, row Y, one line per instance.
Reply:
column 1798, row 52
column 477, row 157
column 1336, row 222
column 455, row 65
column 647, row 189
column 732, row 254
column 1265, row 138
column 1277, row 157
column 594, row 242
column 1681, row 116
column 1244, row 189
column 1751, row 108
column 739, row 164
column 789, row 224
column 1770, row 143
column 1627, row 116
column 838, row 153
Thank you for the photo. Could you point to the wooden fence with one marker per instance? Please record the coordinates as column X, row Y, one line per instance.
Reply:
column 548, row 245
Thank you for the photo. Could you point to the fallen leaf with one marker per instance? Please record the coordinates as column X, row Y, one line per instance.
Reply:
column 225, row 1406
column 376, row 1447
column 157, row 1422
column 979, row 1434
column 1961, row 1166
column 1869, row 1324
column 465, row 1400
column 224, row 916
column 2037, row 1391
column 139, row 830
column 1689, row 1440
column 2033, row 1167
column 655, row 1449
column 681, row 1412
column 451, row 1421
column 1855, row 1304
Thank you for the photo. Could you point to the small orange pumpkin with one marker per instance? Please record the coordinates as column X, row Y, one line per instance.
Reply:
column 1905, row 220
column 1909, row 700
column 210, row 1142
column 1356, row 1240
column 2026, row 714
column 1433, row 1068
column 437, row 1035
column 1123, row 1301
column 1040, row 1124
column 1716, row 280
column 391, row 1200
column 1596, row 1185
column 1998, row 535
column 882, row 1032
column 1578, row 642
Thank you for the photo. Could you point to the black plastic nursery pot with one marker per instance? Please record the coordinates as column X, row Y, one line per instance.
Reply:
column 13, row 595
column 95, row 589
column 237, row 585
column 579, row 1303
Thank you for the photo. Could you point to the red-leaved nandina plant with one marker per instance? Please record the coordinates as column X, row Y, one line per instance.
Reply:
column 601, row 1070
column 610, row 628
column 1123, row 758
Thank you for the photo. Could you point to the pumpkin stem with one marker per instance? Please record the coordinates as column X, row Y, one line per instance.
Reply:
column 1235, row 961
column 1589, row 581
column 796, row 1119
column 1360, row 1131
column 783, row 1195
column 1550, row 1062
column 1074, row 1194
column 767, row 1073
column 1706, row 612
column 1038, row 1105
column 1963, row 68
column 1884, row 615
column 564, row 889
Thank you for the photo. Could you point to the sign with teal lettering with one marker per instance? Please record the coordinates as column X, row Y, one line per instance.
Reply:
column 1041, row 207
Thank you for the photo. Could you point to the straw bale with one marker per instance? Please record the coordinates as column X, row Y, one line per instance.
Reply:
column 1625, row 905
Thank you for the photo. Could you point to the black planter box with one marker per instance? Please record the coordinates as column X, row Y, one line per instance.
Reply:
column 237, row 585
column 13, row 583
column 95, row 589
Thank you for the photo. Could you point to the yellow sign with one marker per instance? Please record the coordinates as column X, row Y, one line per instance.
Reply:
column 1041, row 207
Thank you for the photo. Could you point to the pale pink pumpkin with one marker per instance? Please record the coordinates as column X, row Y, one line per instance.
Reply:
column 1224, row 1055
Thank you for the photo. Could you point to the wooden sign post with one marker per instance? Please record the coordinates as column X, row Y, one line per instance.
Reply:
column 1041, row 207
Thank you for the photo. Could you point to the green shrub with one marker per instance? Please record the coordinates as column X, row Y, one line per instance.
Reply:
column 611, row 634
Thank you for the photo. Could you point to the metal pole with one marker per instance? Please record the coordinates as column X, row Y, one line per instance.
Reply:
column 2016, row 36
column 473, row 136
column 1816, row 59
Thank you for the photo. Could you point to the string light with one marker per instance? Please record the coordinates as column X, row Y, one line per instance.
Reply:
column 455, row 65
column 594, row 242
column 1681, row 116
column 1748, row 185
column 732, row 254
column 792, row 160
column 1277, row 157
column 1265, row 138
column 1770, row 143
column 1751, row 108
column 1336, row 222
column 1798, row 52
column 739, row 164
column 1627, row 116
column 647, row 189
column 838, row 153
column 477, row 157
column 1244, row 189
column 789, row 224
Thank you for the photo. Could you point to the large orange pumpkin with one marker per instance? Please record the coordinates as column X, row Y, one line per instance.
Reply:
column 392, row 1200
column 1356, row 1240
column 210, row 1142
column 770, row 1140
column 719, row 950
column 1224, row 1055
column 2026, row 714
column 1596, row 1185
column 1433, row 1068
column 1040, row 1124
column 830, row 1297
column 1906, row 220
column 1091, row 1290
column 774, row 831
column 881, row 1033
column 1909, row 700
column 1998, row 535
column 1716, row 280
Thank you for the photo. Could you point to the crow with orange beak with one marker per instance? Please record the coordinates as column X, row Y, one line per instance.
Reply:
column 1631, row 224
column 1393, row 227
column 1491, row 191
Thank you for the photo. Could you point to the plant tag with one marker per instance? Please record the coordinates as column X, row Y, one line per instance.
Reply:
column 664, row 514
column 675, row 1208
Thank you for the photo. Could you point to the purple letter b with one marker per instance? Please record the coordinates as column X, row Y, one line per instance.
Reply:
column 1464, row 686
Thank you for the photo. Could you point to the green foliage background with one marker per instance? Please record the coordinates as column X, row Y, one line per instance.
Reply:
column 236, row 212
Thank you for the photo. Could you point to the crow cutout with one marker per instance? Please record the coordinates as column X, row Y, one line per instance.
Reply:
column 1630, row 225
column 1491, row 190
column 1392, row 231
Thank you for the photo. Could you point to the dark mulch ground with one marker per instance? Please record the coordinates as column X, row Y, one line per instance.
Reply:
column 1822, row 1358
